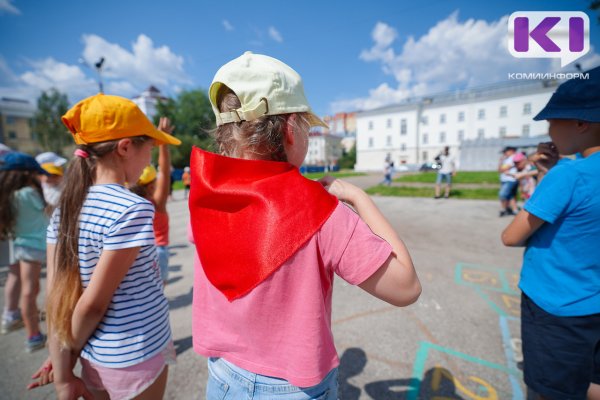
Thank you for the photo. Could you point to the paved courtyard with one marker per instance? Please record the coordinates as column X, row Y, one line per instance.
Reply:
column 455, row 342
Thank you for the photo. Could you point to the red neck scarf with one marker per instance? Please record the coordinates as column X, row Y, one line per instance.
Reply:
column 250, row 216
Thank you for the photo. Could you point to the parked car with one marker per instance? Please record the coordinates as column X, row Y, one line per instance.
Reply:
column 430, row 166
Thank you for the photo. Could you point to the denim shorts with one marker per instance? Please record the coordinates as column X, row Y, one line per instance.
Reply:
column 24, row 253
column 561, row 354
column 508, row 190
column 163, row 261
column 227, row 381
column 443, row 177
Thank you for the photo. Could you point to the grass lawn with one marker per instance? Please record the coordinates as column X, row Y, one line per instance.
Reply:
column 405, row 191
column 461, row 177
column 339, row 174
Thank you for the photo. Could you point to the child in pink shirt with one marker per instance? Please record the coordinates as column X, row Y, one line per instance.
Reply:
column 269, row 242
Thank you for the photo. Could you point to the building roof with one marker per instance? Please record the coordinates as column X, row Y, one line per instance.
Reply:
column 16, row 107
column 477, row 94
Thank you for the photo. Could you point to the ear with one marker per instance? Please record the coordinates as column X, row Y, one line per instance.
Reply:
column 582, row 126
column 124, row 147
column 288, row 129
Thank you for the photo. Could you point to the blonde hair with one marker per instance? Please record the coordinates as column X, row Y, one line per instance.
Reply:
column 262, row 137
column 66, row 288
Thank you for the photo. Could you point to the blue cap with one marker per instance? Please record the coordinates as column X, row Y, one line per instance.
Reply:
column 575, row 99
column 20, row 161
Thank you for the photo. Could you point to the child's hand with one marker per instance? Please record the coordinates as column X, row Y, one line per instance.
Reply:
column 164, row 124
column 73, row 389
column 44, row 375
column 545, row 157
column 343, row 190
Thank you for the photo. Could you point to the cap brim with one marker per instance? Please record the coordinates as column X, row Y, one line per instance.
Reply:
column 580, row 115
column 52, row 169
column 164, row 138
column 316, row 121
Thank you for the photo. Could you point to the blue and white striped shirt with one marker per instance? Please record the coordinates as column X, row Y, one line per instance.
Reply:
column 136, row 324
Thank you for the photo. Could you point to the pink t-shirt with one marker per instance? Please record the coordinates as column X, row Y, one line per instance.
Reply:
column 282, row 328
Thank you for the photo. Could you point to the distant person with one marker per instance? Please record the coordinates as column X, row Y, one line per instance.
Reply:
column 388, row 170
column 105, row 303
column 52, row 183
column 154, row 186
column 186, row 179
column 23, row 222
column 526, row 175
column 560, row 227
column 445, row 173
column 269, row 241
column 509, row 185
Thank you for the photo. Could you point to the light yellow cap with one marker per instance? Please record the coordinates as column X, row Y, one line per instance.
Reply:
column 264, row 85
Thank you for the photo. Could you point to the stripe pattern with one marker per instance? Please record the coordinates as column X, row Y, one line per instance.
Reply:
column 136, row 324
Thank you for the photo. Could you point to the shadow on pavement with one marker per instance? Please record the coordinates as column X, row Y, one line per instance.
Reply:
column 183, row 300
column 182, row 345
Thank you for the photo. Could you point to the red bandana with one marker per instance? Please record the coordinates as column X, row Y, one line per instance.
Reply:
column 249, row 216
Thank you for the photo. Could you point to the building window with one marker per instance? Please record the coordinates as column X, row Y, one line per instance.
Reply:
column 10, row 120
column 525, row 131
column 425, row 156
column 526, row 108
column 502, row 131
column 12, row 134
column 389, row 141
column 481, row 113
column 442, row 137
column 480, row 133
column 370, row 125
column 502, row 111
column 425, row 138
column 461, row 116
column 424, row 120
column 442, row 118
column 403, row 126
column 370, row 142
column 389, row 123
column 403, row 147
column 461, row 135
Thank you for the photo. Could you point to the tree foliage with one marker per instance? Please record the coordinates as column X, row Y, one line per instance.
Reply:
column 47, row 125
column 192, row 116
column 348, row 158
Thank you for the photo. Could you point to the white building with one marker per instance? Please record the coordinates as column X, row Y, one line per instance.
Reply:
column 417, row 130
column 148, row 100
column 323, row 149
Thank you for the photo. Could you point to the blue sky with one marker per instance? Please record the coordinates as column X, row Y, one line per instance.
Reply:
column 351, row 54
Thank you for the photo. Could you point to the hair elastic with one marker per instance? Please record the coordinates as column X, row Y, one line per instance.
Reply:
column 81, row 153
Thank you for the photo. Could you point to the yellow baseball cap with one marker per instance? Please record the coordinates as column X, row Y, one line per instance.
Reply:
column 148, row 175
column 264, row 85
column 52, row 169
column 104, row 117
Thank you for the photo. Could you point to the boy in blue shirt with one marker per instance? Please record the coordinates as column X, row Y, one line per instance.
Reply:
column 560, row 227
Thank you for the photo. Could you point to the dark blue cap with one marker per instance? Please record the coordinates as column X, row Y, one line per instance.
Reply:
column 20, row 161
column 575, row 99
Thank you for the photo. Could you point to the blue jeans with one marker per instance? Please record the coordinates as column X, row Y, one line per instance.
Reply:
column 163, row 261
column 227, row 381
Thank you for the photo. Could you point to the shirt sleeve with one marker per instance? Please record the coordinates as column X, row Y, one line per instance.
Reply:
column 51, row 235
column 132, row 229
column 552, row 197
column 29, row 197
column 352, row 249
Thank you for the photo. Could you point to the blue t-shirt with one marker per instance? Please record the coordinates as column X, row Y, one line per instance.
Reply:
column 561, row 266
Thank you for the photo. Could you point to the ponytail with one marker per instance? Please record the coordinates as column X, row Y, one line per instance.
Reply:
column 66, row 287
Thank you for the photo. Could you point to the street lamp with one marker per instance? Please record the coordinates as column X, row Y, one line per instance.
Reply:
column 98, row 66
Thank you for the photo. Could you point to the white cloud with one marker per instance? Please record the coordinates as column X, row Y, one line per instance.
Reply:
column 125, row 72
column 452, row 55
column 227, row 25
column 6, row 6
column 275, row 35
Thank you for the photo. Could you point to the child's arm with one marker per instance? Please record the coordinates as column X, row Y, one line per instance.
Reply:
column 91, row 306
column 396, row 281
column 161, row 193
column 520, row 229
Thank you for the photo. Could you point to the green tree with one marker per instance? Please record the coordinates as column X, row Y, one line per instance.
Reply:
column 47, row 125
column 348, row 158
column 192, row 116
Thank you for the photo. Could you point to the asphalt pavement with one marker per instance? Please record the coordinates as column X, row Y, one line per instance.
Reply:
column 460, row 340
